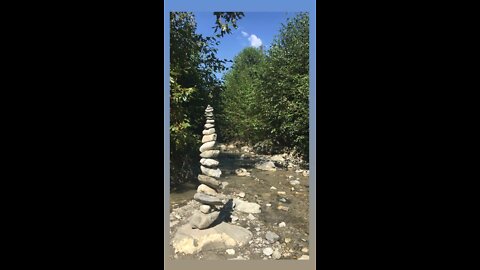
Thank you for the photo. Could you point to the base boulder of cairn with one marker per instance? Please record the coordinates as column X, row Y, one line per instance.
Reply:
column 222, row 236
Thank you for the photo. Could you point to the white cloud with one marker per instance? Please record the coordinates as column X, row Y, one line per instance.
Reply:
column 254, row 41
column 245, row 34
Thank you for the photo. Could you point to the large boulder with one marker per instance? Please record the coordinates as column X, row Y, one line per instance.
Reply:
column 189, row 241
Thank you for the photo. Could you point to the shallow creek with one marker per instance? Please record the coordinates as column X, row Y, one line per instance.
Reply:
column 258, row 189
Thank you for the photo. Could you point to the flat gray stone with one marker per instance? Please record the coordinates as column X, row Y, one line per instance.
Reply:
column 209, row 162
column 201, row 221
column 206, row 190
column 207, row 146
column 272, row 237
column 208, row 131
column 209, row 181
column 215, row 173
column 210, row 153
column 210, row 121
column 209, row 138
column 219, row 237
column 207, row 199
column 246, row 207
column 207, row 126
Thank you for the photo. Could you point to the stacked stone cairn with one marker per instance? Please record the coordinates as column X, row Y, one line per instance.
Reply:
column 207, row 192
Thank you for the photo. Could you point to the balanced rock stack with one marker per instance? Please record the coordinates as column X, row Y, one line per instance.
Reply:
column 207, row 193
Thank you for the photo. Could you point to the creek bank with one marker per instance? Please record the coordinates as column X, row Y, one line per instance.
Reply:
column 273, row 205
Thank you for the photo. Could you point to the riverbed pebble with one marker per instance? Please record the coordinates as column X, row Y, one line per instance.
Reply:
column 251, row 217
column 294, row 182
column 288, row 240
column 273, row 188
column 276, row 254
column 272, row 237
column 268, row 251
column 282, row 224
column 230, row 251
column 304, row 257
column 305, row 250
column 241, row 194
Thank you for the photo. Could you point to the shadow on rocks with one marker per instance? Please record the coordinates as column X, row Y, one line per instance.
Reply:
column 225, row 214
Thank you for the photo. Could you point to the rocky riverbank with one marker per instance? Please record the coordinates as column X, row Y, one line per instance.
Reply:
column 268, row 196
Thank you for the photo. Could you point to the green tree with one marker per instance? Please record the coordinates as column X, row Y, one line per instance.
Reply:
column 240, row 117
column 193, row 84
column 285, row 85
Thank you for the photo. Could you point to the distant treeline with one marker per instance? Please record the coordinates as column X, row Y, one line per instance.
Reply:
column 263, row 100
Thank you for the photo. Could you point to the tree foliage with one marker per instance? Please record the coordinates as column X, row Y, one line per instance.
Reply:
column 266, row 95
column 193, row 84
column 263, row 99
column 239, row 114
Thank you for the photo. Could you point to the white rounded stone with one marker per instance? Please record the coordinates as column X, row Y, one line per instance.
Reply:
column 206, row 190
column 208, row 162
column 204, row 208
column 208, row 131
column 215, row 173
column 210, row 153
column 207, row 146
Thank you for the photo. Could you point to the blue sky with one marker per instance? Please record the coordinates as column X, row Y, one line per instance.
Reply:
column 254, row 28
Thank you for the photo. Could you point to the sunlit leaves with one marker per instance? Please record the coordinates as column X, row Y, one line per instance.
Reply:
column 193, row 85
column 225, row 20
column 266, row 96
